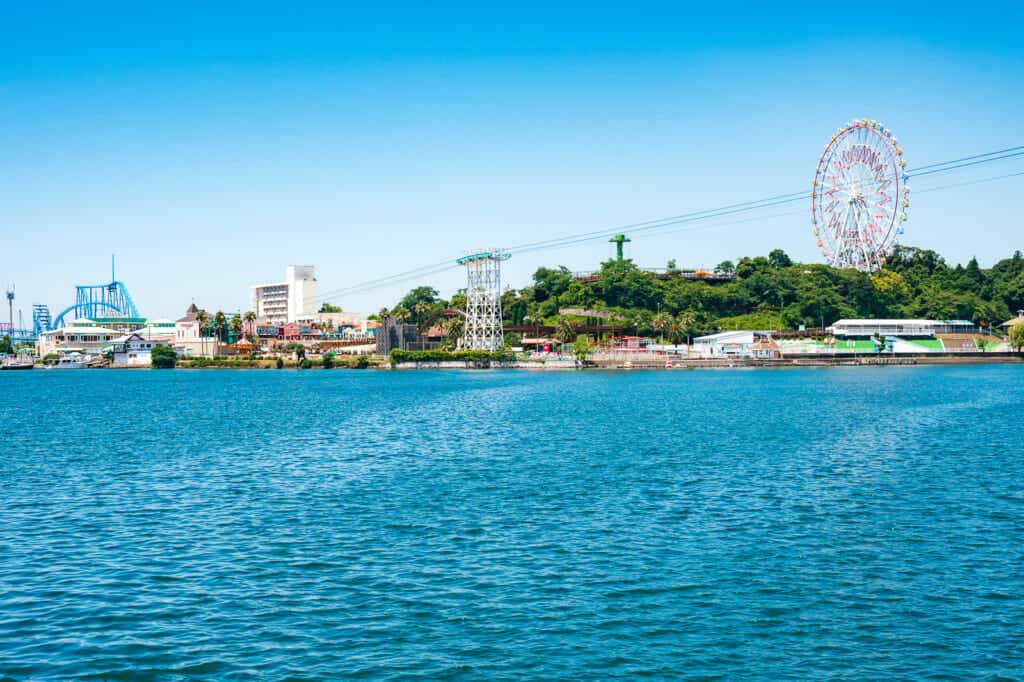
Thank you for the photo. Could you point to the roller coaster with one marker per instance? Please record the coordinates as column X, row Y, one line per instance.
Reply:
column 98, row 300
column 91, row 301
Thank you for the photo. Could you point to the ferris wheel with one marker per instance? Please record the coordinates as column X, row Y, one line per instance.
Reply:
column 860, row 197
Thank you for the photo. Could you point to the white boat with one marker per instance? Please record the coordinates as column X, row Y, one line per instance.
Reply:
column 72, row 360
column 23, row 360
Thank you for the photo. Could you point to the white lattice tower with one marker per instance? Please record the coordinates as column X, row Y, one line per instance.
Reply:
column 483, row 299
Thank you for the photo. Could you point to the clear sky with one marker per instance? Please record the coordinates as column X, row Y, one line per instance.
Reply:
column 211, row 147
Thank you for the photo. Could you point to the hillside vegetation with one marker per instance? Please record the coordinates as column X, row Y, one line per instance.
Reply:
column 768, row 292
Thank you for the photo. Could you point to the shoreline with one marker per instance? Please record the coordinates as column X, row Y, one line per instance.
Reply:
column 645, row 363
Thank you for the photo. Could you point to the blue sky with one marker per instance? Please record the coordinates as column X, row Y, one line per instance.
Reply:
column 211, row 147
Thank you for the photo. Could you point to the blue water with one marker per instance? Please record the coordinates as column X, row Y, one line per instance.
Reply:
column 859, row 523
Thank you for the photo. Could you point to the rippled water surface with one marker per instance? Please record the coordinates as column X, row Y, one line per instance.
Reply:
column 861, row 523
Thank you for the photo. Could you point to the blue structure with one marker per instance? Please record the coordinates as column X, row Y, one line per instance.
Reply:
column 41, row 319
column 99, row 300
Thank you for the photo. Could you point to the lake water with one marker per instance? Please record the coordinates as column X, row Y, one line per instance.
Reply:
column 861, row 523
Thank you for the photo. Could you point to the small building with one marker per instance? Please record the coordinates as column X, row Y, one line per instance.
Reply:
column 394, row 334
column 134, row 350
column 81, row 336
column 188, row 336
column 1009, row 324
column 725, row 344
column 766, row 348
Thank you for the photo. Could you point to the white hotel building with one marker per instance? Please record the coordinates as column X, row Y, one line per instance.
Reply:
column 283, row 302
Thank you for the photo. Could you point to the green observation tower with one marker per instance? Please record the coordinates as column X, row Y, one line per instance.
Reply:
column 619, row 240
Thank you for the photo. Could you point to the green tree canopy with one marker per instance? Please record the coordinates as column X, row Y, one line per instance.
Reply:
column 422, row 294
column 163, row 357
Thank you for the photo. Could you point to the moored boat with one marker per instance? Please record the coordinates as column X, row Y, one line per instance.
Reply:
column 23, row 360
column 73, row 360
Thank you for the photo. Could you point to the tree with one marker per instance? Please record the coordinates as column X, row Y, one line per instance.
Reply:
column 426, row 295
column 163, row 357
column 328, row 308
column 5, row 344
column 220, row 323
column 662, row 322
column 203, row 318
column 726, row 267
column 581, row 347
column 249, row 318
column 548, row 283
column 777, row 258
column 1017, row 336
column 454, row 328
column 422, row 311
column 682, row 326
column 564, row 329
column 328, row 360
column 235, row 325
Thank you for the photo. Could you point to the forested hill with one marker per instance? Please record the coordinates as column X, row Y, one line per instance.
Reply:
column 914, row 283
column 767, row 292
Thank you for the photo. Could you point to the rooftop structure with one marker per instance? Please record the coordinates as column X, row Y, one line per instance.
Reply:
column 283, row 302
column 1014, row 322
column 866, row 327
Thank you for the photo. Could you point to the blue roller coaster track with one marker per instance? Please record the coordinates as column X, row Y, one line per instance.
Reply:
column 98, row 300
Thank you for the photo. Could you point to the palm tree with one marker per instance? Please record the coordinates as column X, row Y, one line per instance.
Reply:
column 235, row 325
column 202, row 317
column 249, row 318
column 454, row 328
column 220, row 322
column 401, row 314
column 422, row 310
column 682, row 325
column 564, row 330
column 662, row 323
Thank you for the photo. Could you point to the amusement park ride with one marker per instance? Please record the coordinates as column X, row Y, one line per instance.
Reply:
column 91, row 301
column 860, row 196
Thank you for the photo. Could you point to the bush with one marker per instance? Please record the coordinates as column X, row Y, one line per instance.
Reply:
column 327, row 361
column 163, row 357
column 478, row 356
column 362, row 362
column 279, row 363
column 305, row 363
